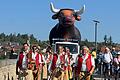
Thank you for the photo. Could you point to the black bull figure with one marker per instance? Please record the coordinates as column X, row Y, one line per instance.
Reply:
column 65, row 29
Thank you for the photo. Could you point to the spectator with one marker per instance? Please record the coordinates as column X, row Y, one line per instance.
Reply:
column 94, row 53
column 114, row 53
column 107, row 60
column 116, row 64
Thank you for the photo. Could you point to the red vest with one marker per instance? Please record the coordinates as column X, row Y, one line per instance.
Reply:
column 69, row 62
column 49, row 58
column 54, row 60
column 37, row 60
column 62, row 59
column 88, row 63
column 21, row 56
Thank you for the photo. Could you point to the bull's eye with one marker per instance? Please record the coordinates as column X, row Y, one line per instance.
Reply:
column 72, row 14
column 61, row 15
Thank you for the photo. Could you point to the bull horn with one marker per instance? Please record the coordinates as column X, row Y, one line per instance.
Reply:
column 79, row 12
column 53, row 9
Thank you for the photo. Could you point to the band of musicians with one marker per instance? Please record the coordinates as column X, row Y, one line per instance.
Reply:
column 32, row 64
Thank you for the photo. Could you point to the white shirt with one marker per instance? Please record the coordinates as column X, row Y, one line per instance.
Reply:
column 107, row 57
column 84, row 68
column 49, row 66
column 66, row 60
column 58, row 63
column 41, row 59
column 24, row 61
column 34, row 55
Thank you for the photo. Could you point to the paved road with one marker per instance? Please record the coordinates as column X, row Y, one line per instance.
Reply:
column 7, row 62
column 101, row 77
column 104, row 79
column 4, row 71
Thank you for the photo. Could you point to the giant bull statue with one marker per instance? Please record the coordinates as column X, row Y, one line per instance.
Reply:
column 65, row 28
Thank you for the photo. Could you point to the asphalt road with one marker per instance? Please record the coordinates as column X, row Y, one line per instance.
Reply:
column 101, row 77
column 7, row 62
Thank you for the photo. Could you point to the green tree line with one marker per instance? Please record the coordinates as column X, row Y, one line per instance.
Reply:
column 21, row 38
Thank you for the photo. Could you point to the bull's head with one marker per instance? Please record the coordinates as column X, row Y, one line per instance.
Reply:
column 66, row 16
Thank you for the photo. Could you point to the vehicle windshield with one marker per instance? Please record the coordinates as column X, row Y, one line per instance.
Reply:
column 72, row 47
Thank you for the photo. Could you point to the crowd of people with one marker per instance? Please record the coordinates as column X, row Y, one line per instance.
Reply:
column 108, row 62
column 32, row 64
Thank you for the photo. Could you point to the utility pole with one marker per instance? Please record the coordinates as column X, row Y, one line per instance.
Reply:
column 96, row 22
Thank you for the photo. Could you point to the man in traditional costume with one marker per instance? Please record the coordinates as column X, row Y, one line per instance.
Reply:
column 48, row 58
column 22, row 67
column 57, row 66
column 68, row 59
column 40, row 62
column 85, row 64
column 33, row 61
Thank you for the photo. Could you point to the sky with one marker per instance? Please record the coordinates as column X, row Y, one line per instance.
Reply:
column 34, row 17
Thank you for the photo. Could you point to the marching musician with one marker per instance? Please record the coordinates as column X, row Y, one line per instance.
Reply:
column 33, row 61
column 48, row 57
column 48, row 54
column 59, row 62
column 40, row 62
column 85, row 64
column 68, row 59
column 22, row 64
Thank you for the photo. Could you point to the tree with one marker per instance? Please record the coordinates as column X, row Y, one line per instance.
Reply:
column 33, row 40
column 13, row 37
column 105, row 39
column 2, row 37
column 110, row 40
column 86, row 43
